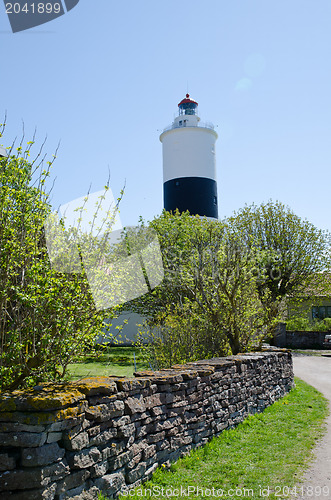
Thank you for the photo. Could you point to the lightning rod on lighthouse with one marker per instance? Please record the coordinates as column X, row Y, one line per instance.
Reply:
column 189, row 164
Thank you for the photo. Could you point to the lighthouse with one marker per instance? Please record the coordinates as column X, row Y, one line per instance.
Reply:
column 189, row 163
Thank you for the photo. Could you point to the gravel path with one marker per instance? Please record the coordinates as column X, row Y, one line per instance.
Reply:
column 316, row 371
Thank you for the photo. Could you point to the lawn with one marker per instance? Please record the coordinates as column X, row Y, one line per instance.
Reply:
column 261, row 458
column 117, row 361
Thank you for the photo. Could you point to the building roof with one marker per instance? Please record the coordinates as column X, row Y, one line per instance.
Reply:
column 187, row 100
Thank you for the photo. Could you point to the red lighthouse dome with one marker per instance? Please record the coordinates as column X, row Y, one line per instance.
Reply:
column 187, row 106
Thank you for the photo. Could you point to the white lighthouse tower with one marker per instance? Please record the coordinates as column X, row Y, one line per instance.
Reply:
column 189, row 165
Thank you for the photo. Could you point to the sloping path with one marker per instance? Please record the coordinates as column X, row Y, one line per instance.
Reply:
column 316, row 371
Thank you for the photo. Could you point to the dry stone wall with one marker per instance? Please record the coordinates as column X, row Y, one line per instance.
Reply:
column 107, row 433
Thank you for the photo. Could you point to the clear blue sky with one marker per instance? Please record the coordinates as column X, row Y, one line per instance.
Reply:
column 106, row 78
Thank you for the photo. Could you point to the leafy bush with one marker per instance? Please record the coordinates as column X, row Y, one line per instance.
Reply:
column 47, row 317
column 303, row 324
column 298, row 324
column 208, row 299
column 293, row 253
column 323, row 326
column 184, row 335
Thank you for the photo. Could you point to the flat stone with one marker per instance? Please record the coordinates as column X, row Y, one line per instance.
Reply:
column 104, row 412
column 33, row 478
column 154, row 401
column 20, row 479
column 66, row 424
column 75, row 480
column 96, row 385
column 126, row 430
column 119, row 461
column 112, row 450
column 44, row 455
column 154, row 438
column 110, row 484
column 78, row 442
column 151, row 470
column 56, row 471
column 149, row 451
column 53, row 437
column 100, row 469
column 186, row 372
column 135, row 405
column 73, row 493
column 16, row 427
column 103, row 437
column 219, row 362
column 133, row 384
column 81, row 493
column 159, row 410
column 43, row 417
column 167, row 424
column 85, row 458
column 122, row 421
column 166, row 376
column 203, row 370
column 136, row 459
column 51, row 397
column 22, row 439
column 132, row 475
column 102, row 399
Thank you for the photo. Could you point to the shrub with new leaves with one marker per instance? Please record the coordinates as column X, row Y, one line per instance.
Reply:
column 208, row 295
column 46, row 317
column 294, row 255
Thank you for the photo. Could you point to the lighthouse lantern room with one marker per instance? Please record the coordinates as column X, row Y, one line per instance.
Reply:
column 189, row 165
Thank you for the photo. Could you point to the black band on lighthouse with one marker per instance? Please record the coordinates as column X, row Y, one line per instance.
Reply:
column 198, row 195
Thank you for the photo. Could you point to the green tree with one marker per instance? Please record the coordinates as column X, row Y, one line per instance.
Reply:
column 291, row 253
column 46, row 317
column 209, row 278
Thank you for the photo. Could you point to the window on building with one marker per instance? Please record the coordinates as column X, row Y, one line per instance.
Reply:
column 321, row 312
column 215, row 200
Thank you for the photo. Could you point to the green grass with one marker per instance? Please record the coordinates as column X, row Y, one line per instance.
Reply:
column 117, row 361
column 267, row 450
